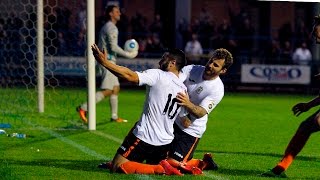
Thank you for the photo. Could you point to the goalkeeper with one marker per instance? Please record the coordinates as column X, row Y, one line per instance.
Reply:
column 108, row 39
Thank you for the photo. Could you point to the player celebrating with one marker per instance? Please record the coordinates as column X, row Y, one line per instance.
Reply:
column 151, row 136
column 306, row 128
column 108, row 39
column 205, row 90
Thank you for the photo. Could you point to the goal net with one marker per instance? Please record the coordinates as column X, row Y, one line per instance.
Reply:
column 64, row 50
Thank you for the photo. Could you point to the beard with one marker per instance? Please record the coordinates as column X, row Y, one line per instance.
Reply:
column 209, row 73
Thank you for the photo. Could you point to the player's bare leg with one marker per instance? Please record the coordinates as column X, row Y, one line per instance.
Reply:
column 114, row 105
column 82, row 109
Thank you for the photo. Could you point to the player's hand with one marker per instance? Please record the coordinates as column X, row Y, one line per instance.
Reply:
column 183, row 99
column 300, row 108
column 100, row 56
column 132, row 54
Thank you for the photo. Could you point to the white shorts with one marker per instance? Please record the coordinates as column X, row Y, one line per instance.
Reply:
column 108, row 80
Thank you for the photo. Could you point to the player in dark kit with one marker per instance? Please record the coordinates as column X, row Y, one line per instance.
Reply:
column 306, row 128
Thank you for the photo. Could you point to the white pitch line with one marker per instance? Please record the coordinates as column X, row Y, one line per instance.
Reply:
column 108, row 136
column 212, row 176
column 69, row 141
column 74, row 144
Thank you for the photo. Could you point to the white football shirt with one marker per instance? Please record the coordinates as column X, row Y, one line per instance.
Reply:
column 155, row 125
column 205, row 93
column 108, row 39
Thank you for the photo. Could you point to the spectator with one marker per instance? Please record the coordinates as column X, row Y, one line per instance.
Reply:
column 286, row 53
column 13, row 37
column 154, row 46
column 245, row 39
column 123, row 27
column 138, row 25
column 63, row 47
column 285, row 33
column 302, row 55
column 204, row 16
column 193, row 50
column 142, row 46
column 3, row 33
column 224, row 33
column 301, row 32
column 273, row 53
column 205, row 32
column 157, row 26
column 63, row 17
column 195, row 26
column 81, row 17
column 50, row 32
column 3, row 36
column 206, row 27
column 183, row 32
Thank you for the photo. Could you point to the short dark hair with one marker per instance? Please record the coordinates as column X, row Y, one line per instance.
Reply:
column 223, row 54
column 179, row 56
column 109, row 9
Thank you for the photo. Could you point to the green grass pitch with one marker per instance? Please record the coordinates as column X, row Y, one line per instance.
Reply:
column 247, row 133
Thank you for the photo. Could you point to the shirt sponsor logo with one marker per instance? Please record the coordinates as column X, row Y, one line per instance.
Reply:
column 210, row 106
column 199, row 90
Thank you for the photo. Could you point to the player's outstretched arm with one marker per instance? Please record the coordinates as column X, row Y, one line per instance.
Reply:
column 119, row 71
column 303, row 107
column 314, row 102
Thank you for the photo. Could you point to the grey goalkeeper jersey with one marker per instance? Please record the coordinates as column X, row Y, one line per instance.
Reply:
column 108, row 39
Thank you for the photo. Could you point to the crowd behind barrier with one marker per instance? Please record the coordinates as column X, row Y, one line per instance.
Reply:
column 290, row 46
column 235, row 33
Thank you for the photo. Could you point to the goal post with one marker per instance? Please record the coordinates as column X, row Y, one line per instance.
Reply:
column 91, row 84
column 91, row 66
column 46, row 64
column 40, row 54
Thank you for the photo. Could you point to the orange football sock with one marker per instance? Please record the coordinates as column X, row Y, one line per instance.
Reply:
column 194, row 162
column 294, row 147
column 173, row 162
column 131, row 167
column 286, row 161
